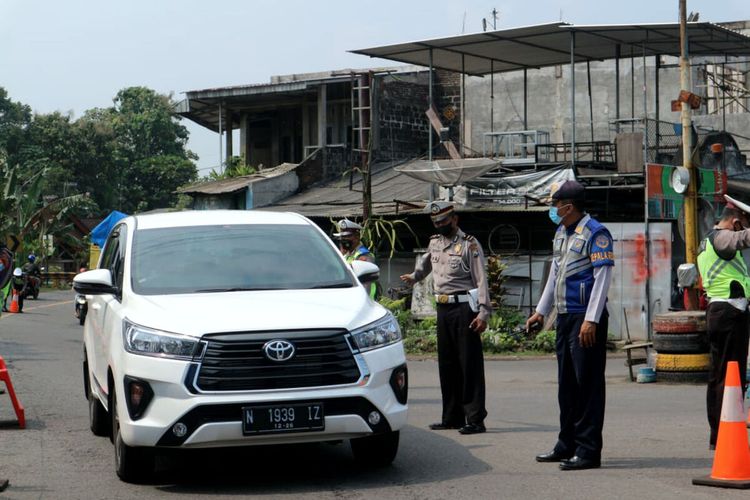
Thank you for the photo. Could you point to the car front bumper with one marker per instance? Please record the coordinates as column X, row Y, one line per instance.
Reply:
column 215, row 419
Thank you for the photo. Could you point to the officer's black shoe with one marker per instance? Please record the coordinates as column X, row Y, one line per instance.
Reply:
column 472, row 429
column 441, row 426
column 578, row 463
column 552, row 456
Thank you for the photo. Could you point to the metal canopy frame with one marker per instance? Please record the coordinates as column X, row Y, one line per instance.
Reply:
column 534, row 47
column 544, row 45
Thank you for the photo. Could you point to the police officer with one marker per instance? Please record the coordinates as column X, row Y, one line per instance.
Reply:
column 725, row 279
column 578, row 285
column 457, row 263
column 351, row 247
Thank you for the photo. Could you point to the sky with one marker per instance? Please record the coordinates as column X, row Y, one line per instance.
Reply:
column 73, row 55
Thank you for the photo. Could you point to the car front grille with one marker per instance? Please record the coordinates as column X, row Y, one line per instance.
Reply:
column 236, row 361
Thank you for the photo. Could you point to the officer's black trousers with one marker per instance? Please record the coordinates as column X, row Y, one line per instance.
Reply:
column 727, row 337
column 461, row 365
column 581, row 392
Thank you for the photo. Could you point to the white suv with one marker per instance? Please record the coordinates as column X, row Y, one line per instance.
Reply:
column 236, row 328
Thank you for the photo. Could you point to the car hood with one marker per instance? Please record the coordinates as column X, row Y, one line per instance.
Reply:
column 198, row 314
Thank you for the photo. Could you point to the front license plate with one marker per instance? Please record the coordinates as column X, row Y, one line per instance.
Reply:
column 283, row 418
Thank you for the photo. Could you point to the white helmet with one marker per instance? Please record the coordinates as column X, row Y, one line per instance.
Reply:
column 17, row 272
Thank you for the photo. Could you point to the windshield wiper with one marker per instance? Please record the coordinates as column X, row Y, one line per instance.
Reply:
column 344, row 284
column 233, row 289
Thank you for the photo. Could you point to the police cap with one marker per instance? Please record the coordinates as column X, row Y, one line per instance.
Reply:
column 439, row 210
column 347, row 228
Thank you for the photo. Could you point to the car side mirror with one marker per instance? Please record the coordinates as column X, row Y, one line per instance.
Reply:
column 366, row 272
column 94, row 282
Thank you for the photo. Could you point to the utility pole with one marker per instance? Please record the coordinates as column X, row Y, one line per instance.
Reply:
column 691, row 201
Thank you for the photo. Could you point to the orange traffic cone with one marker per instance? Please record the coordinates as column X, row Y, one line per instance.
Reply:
column 732, row 457
column 14, row 302
column 17, row 406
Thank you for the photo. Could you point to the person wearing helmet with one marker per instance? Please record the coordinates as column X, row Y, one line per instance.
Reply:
column 351, row 247
column 726, row 281
column 19, row 284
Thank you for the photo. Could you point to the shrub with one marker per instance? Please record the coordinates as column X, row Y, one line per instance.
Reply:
column 420, row 341
column 544, row 341
column 494, row 341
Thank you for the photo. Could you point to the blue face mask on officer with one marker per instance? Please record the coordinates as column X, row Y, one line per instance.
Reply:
column 554, row 216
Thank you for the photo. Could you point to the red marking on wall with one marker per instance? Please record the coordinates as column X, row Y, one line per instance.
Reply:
column 660, row 251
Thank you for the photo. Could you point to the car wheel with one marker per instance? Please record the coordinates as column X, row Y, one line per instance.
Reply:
column 99, row 421
column 133, row 465
column 378, row 450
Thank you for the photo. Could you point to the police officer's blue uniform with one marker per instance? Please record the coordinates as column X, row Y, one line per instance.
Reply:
column 578, row 250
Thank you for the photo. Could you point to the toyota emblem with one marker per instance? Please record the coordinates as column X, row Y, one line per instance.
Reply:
column 278, row 350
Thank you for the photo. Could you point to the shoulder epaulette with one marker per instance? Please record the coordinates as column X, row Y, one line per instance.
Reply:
column 434, row 236
column 469, row 237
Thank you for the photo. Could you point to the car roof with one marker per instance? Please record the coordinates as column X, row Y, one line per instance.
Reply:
column 216, row 217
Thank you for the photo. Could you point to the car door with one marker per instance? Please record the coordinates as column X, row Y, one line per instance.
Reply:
column 100, row 306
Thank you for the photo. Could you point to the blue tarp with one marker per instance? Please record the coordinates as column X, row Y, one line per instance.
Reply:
column 99, row 233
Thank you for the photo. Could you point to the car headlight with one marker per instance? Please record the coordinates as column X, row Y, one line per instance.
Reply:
column 381, row 333
column 149, row 342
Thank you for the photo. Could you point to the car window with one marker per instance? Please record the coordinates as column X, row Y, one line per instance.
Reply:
column 219, row 258
column 117, row 268
column 111, row 248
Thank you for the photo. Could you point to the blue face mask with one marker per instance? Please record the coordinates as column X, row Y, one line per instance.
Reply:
column 553, row 215
column 556, row 219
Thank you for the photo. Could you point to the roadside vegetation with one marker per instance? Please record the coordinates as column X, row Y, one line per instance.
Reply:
column 130, row 156
column 505, row 332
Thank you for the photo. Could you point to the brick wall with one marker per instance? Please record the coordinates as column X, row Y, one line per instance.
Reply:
column 401, row 102
column 402, row 124
column 448, row 101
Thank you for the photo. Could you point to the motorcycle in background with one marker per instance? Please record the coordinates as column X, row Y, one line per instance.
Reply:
column 81, row 305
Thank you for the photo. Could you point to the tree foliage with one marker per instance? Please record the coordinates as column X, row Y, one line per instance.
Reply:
column 131, row 156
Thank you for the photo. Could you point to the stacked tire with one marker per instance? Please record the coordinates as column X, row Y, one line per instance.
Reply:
column 681, row 343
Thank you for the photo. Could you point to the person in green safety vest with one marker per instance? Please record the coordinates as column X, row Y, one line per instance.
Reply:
column 351, row 247
column 725, row 279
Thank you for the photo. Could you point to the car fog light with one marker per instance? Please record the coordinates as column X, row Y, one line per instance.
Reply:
column 138, row 396
column 373, row 418
column 179, row 429
column 400, row 383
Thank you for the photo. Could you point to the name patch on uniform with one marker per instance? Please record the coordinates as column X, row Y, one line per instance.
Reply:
column 577, row 245
column 602, row 256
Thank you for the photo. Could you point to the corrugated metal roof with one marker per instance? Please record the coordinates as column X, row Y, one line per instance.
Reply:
column 393, row 193
column 234, row 184
column 549, row 45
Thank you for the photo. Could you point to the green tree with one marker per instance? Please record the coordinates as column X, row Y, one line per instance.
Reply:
column 151, row 158
column 14, row 118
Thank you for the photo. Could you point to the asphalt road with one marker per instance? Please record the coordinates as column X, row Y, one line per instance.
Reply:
column 656, row 438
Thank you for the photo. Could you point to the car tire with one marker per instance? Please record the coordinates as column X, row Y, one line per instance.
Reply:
column 682, row 362
column 697, row 377
column 132, row 464
column 99, row 421
column 681, row 343
column 377, row 451
column 679, row 322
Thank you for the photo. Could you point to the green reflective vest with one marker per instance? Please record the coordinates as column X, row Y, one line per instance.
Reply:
column 717, row 274
column 363, row 250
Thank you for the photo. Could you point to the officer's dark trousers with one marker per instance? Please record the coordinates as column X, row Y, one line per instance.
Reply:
column 581, row 394
column 727, row 337
column 461, row 365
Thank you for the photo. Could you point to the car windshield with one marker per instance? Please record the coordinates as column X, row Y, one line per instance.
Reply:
column 205, row 259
